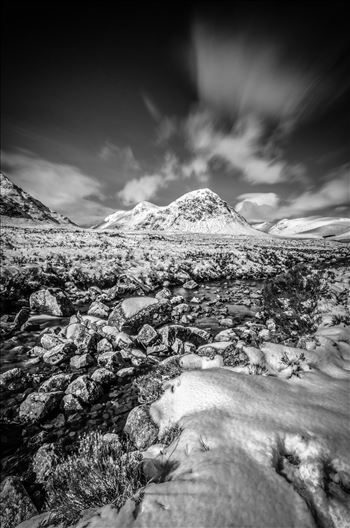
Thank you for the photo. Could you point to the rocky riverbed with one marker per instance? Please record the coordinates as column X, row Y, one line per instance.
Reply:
column 95, row 347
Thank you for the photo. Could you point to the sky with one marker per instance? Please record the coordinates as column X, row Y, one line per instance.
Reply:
column 105, row 107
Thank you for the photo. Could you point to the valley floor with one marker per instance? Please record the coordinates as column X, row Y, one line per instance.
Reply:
column 221, row 364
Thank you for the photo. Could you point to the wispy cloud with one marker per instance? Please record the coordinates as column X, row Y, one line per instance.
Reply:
column 333, row 194
column 123, row 157
column 61, row 187
column 152, row 107
column 242, row 148
column 245, row 73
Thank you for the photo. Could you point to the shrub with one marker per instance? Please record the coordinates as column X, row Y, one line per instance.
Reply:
column 100, row 472
column 170, row 435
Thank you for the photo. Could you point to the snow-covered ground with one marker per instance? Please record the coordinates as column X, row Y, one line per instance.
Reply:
column 311, row 227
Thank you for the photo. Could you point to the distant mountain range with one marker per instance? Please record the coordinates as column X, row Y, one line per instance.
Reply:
column 17, row 205
column 200, row 211
column 309, row 227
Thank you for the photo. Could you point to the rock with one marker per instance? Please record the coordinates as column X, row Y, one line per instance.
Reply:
column 227, row 321
column 132, row 313
column 226, row 335
column 189, row 348
column 177, row 299
column 83, row 337
column 180, row 309
column 49, row 341
column 191, row 334
column 78, row 362
column 36, row 352
column 118, row 339
column 103, row 376
column 125, row 372
column 52, row 301
column 58, row 382
column 21, row 317
column 264, row 334
column 140, row 428
column 13, row 380
column 104, row 346
column 85, row 389
column 71, row 404
column 178, row 346
column 16, row 505
column 190, row 285
column 165, row 293
column 38, row 405
column 99, row 309
column 59, row 354
column 147, row 336
column 110, row 360
column 157, row 350
column 44, row 460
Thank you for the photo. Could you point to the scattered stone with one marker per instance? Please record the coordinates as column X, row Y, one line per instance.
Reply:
column 15, row 504
column 180, row 309
column 103, row 376
column 79, row 362
column 226, row 335
column 36, row 352
column 192, row 362
column 13, row 380
column 71, row 403
column 104, row 346
column 110, row 360
column 227, row 321
column 99, row 310
column 132, row 313
column 156, row 350
column 147, row 336
column 165, row 293
column 140, row 428
column 119, row 339
column 59, row 354
column 52, row 301
column 264, row 334
column 190, row 285
column 58, row 382
column 85, row 389
column 38, row 405
column 49, row 341
column 21, row 317
column 125, row 372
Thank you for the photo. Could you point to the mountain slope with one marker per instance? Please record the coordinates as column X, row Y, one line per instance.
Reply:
column 17, row 204
column 312, row 226
column 200, row 211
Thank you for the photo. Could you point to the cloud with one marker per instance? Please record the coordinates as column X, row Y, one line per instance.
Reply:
column 144, row 188
column 151, row 107
column 123, row 156
column 246, row 73
column 332, row 195
column 240, row 147
column 61, row 187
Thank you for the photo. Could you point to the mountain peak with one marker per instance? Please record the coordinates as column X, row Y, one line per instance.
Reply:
column 198, row 211
column 15, row 203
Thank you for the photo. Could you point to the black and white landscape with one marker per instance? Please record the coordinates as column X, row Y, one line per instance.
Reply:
column 175, row 248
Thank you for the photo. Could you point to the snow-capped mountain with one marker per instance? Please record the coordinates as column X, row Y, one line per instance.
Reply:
column 200, row 211
column 127, row 219
column 312, row 226
column 16, row 204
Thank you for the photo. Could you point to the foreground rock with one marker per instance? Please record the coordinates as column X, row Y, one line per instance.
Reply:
column 132, row 313
column 51, row 301
column 38, row 405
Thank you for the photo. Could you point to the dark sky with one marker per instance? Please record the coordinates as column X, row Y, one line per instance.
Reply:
column 104, row 107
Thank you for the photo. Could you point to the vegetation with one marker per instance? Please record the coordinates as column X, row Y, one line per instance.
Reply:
column 150, row 385
column 100, row 472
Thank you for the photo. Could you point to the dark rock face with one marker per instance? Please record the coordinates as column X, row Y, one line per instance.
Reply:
column 111, row 360
column 38, row 405
column 52, row 301
column 59, row 354
column 59, row 382
column 15, row 503
column 140, row 428
column 134, row 312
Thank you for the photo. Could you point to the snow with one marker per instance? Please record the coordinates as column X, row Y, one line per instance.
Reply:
column 309, row 227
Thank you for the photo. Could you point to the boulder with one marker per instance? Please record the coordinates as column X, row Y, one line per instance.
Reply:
column 118, row 339
column 58, row 382
column 191, row 334
column 83, row 337
column 85, row 389
column 38, row 405
column 111, row 360
column 36, row 352
column 190, row 285
column 51, row 301
column 82, row 361
column 165, row 293
column 147, row 336
column 15, row 504
column 140, row 427
column 59, row 354
column 103, row 376
column 104, row 346
column 71, row 404
column 13, row 380
column 49, row 341
column 132, row 313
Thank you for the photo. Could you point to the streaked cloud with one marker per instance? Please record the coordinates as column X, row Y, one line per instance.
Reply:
column 61, row 187
column 122, row 157
column 151, row 107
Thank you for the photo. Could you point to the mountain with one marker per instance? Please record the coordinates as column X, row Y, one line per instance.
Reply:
column 200, row 211
column 127, row 219
column 17, row 205
column 309, row 227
